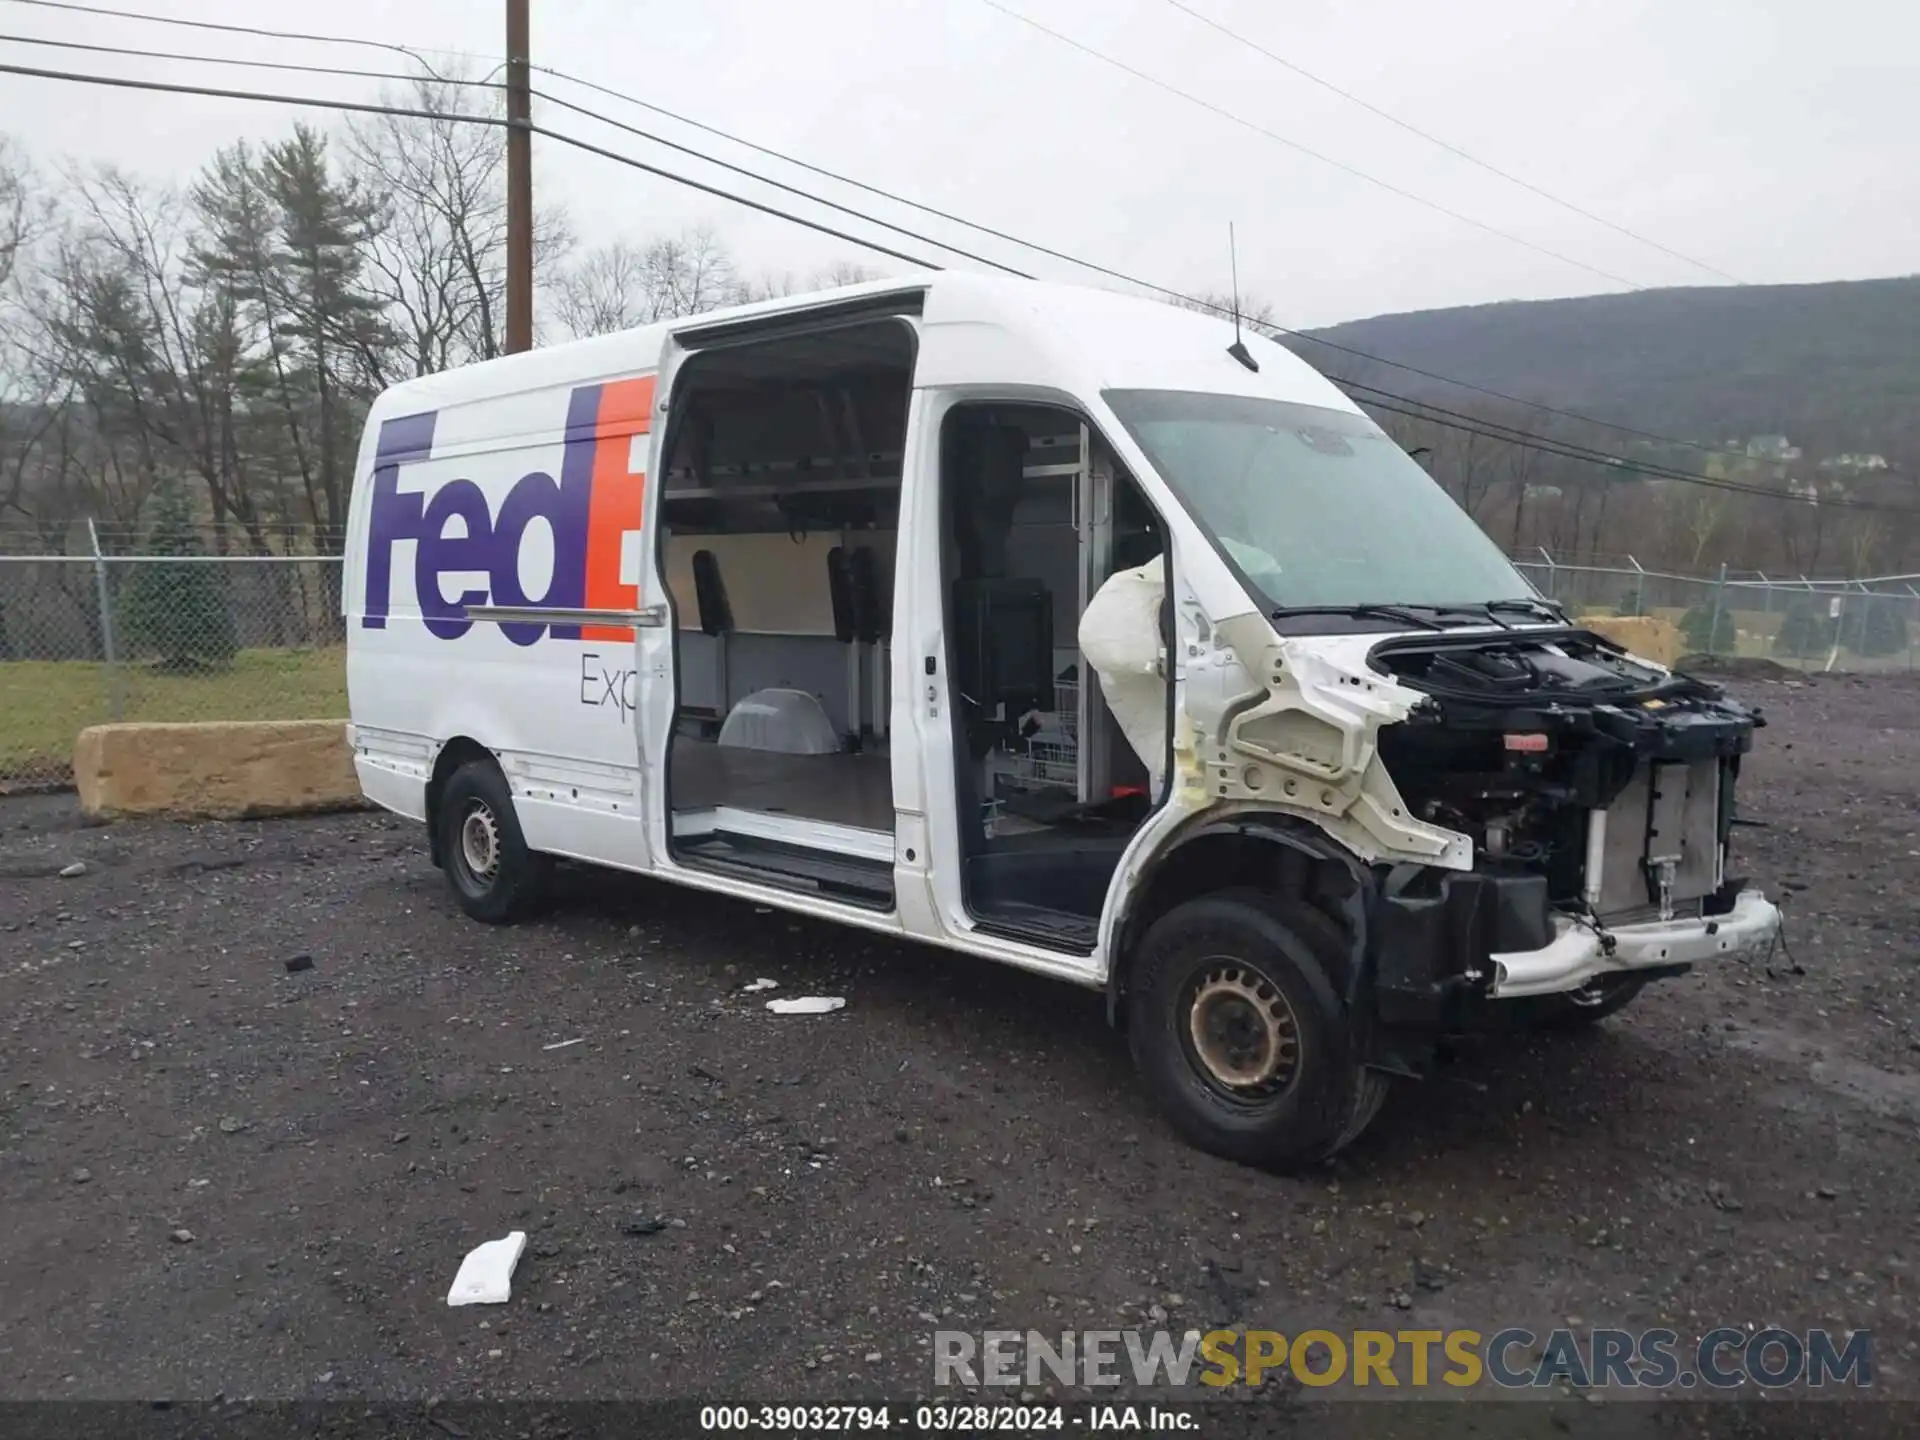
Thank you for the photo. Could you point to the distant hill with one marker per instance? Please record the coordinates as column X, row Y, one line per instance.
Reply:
column 1834, row 367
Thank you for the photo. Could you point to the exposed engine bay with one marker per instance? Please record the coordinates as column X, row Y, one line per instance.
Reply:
column 1563, row 757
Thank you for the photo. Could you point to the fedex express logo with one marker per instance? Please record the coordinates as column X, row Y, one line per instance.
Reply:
column 593, row 511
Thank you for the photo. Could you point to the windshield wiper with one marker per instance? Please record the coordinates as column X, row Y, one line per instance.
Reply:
column 1363, row 612
column 1527, row 605
column 1493, row 609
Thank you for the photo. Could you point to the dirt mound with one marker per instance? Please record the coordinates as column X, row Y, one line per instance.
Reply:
column 1737, row 667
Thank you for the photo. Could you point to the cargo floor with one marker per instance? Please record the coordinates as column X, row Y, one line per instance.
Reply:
column 855, row 790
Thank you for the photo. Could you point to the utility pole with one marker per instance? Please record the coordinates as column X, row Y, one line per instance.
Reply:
column 519, row 184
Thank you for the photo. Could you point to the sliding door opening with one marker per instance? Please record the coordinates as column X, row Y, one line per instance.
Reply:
column 780, row 519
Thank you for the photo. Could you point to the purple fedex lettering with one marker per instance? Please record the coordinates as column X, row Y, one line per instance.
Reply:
column 482, row 542
column 439, row 553
column 395, row 513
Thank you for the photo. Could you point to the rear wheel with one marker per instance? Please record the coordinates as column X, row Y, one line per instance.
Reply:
column 492, row 873
column 1239, row 1030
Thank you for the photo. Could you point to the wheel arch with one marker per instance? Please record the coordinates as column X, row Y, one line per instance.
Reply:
column 458, row 751
column 1273, row 853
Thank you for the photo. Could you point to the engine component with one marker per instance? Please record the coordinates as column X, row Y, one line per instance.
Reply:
column 1525, row 737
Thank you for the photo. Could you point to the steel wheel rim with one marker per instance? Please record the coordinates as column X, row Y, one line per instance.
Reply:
column 1242, row 1034
column 480, row 843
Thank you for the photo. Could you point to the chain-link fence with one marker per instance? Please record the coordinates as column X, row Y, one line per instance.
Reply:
column 93, row 638
column 90, row 639
column 1859, row 625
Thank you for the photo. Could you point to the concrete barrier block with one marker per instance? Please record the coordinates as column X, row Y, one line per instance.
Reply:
column 1647, row 636
column 225, row 770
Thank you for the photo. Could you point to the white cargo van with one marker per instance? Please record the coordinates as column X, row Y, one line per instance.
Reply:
column 1047, row 625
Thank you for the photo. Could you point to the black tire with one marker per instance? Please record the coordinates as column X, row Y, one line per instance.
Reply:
column 488, row 866
column 1577, row 1009
column 1207, row 976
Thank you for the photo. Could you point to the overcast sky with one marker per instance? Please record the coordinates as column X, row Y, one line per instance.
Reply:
column 1771, row 139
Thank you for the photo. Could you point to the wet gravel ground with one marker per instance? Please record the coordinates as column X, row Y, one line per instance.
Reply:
column 221, row 1174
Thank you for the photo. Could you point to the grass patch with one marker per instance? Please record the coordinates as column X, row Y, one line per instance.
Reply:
column 45, row 703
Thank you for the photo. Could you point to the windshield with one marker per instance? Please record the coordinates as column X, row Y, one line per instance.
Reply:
column 1316, row 507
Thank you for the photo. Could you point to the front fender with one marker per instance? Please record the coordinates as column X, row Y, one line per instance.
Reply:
column 1285, row 833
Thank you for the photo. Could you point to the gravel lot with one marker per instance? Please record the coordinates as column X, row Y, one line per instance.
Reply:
column 220, row 1177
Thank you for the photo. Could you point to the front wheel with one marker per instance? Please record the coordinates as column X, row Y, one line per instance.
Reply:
column 1240, row 1032
column 493, row 874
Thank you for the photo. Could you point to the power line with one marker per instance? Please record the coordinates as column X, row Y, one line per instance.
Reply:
column 1511, row 435
column 1126, row 278
column 488, row 85
column 1566, row 450
column 1652, row 472
column 491, row 121
column 1037, row 248
column 1571, row 447
column 785, row 158
column 1511, row 399
column 776, row 184
column 1110, row 273
column 1448, row 146
column 230, row 60
column 255, row 30
column 553, row 100
column 1292, row 144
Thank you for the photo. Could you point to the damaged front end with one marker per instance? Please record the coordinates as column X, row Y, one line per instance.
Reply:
column 1598, row 794
column 1530, row 811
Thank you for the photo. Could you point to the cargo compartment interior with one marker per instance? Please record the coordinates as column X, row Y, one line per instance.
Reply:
column 779, row 520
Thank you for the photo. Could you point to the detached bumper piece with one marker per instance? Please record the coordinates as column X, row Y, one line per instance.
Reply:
column 1433, row 930
column 1581, row 952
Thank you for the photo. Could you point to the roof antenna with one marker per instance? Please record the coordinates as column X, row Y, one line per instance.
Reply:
column 1238, row 350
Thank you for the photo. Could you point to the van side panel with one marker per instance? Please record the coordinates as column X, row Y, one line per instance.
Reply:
column 530, row 498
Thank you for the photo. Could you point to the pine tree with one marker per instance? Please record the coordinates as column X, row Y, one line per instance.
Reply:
column 1883, row 628
column 327, row 318
column 1807, row 631
column 175, row 610
column 1696, row 624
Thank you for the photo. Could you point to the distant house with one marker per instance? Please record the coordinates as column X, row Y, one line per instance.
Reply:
column 1772, row 447
column 1857, row 462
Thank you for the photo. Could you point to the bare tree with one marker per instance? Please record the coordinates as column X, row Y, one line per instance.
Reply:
column 690, row 273
column 1523, row 464
column 1254, row 310
column 19, row 211
column 438, row 261
column 1865, row 535
column 606, row 291
column 26, row 409
column 620, row 285
column 780, row 284
column 1698, row 512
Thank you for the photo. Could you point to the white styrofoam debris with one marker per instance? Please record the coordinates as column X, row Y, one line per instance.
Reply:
column 761, row 984
column 486, row 1275
column 806, row 1005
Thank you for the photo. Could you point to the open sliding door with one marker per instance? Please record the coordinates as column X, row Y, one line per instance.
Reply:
column 777, row 523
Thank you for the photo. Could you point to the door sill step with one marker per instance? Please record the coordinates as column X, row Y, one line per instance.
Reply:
column 1051, row 929
column 816, row 872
